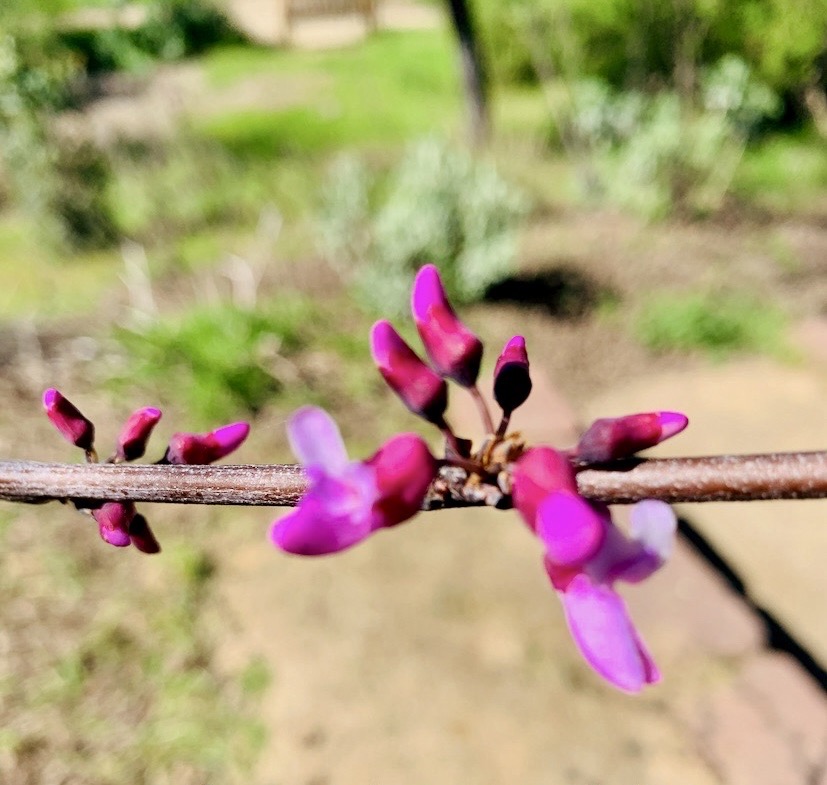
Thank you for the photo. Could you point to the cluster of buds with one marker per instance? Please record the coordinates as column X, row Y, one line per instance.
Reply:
column 119, row 523
column 585, row 553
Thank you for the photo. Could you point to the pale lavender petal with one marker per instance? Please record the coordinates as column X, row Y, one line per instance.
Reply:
column 653, row 525
column 601, row 628
column 570, row 529
column 335, row 514
column 315, row 440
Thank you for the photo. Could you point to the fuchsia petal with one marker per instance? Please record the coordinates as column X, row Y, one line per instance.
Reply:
column 73, row 426
column 600, row 625
column 453, row 349
column 569, row 528
column 537, row 473
column 609, row 439
column 512, row 382
column 420, row 389
column 113, row 520
column 404, row 470
column 334, row 515
column 316, row 441
column 135, row 433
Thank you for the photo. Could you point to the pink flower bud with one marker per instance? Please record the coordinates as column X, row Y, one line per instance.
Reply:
column 454, row 350
column 113, row 522
column 193, row 448
column 420, row 389
column 73, row 426
column 612, row 438
column 512, row 383
column 141, row 535
column 135, row 433
column 404, row 470
column 539, row 472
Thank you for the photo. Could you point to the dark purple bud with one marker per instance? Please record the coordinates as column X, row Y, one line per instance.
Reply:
column 611, row 438
column 135, row 433
column 194, row 448
column 454, row 350
column 421, row 390
column 113, row 522
column 141, row 535
column 512, row 382
column 73, row 426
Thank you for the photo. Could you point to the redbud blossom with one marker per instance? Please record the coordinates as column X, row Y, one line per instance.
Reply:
column 135, row 433
column 421, row 390
column 113, row 520
column 349, row 500
column 454, row 351
column 193, row 448
column 73, row 426
column 512, row 383
column 608, row 439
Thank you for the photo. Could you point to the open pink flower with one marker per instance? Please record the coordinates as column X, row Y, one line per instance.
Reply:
column 585, row 554
column 349, row 500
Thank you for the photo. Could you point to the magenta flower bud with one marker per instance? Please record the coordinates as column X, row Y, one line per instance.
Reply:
column 421, row 390
column 512, row 383
column 73, row 426
column 141, row 535
column 135, row 433
column 612, row 438
column 404, row 470
column 454, row 351
column 539, row 472
column 113, row 520
column 195, row 449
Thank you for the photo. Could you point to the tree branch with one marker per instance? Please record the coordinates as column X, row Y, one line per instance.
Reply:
column 718, row 478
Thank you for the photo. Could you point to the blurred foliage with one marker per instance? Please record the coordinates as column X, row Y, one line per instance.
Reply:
column 438, row 205
column 639, row 46
column 172, row 29
column 658, row 153
column 717, row 322
column 221, row 361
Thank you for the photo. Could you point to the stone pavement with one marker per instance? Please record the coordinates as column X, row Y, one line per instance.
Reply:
column 438, row 653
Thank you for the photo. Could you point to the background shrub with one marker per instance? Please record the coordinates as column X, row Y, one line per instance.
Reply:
column 438, row 205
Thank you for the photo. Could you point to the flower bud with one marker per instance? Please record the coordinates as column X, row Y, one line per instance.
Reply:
column 608, row 439
column 512, row 383
column 454, row 351
column 420, row 389
column 404, row 470
column 135, row 433
column 199, row 449
column 113, row 522
column 73, row 426
column 141, row 535
column 538, row 472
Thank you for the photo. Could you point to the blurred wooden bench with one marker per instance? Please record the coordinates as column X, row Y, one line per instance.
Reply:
column 308, row 9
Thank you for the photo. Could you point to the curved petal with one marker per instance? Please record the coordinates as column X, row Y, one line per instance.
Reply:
column 569, row 528
column 316, row 441
column 601, row 628
column 334, row 515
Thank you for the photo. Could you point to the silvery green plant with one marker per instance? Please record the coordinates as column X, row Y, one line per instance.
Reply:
column 662, row 152
column 439, row 204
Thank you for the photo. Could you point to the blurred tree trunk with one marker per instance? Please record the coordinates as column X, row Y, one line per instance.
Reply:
column 473, row 70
